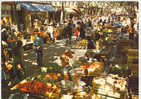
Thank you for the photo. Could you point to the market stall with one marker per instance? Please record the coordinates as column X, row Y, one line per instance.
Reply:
column 52, row 85
column 79, row 79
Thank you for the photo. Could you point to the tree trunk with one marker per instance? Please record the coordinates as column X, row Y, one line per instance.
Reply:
column 62, row 13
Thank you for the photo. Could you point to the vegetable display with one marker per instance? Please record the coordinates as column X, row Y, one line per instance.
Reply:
column 81, row 44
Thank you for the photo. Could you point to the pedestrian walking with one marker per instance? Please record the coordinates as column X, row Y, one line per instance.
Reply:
column 89, row 23
column 77, row 32
column 131, row 35
column 18, row 61
column 82, row 31
column 91, row 43
column 3, row 61
column 50, row 31
column 123, row 31
column 55, row 33
column 4, row 35
column 97, row 36
column 69, row 32
column 38, row 42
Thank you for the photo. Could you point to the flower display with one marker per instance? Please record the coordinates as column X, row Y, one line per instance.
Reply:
column 36, row 87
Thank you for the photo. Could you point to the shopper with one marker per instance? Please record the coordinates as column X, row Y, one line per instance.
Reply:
column 55, row 33
column 18, row 61
column 69, row 32
column 132, row 85
column 4, row 35
column 97, row 36
column 3, row 61
column 123, row 31
column 50, row 31
column 82, row 31
column 77, row 32
column 38, row 43
column 91, row 44
column 89, row 23
column 131, row 33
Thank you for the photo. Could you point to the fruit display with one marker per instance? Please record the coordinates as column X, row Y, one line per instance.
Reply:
column 81, row 44
column 83, row 80
column 55, row 76
column 95, row 68
column 47, row 77
column 108, row 30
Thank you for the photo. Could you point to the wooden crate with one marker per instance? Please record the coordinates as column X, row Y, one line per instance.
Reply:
column 133, row 52
column 135, row 97
column 133, row 60
column 134, row 67
column 125, row 42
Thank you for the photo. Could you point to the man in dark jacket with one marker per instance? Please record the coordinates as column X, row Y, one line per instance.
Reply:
column 91, row 44
column 69, row 32
column 89, row 23
column 97, row 36
column 82, row 31
column 4, row 35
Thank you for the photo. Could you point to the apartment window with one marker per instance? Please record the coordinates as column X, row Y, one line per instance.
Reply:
column 55, row 3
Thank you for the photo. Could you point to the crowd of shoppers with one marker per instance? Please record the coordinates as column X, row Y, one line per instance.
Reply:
column 82, row 27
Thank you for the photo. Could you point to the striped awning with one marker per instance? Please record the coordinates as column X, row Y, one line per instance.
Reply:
column 38, row 7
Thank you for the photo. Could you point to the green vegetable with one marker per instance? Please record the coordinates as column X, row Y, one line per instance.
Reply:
column 54, row 68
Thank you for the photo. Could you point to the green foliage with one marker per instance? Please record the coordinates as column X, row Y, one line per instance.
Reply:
column 54, row 68
column 41, row 78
